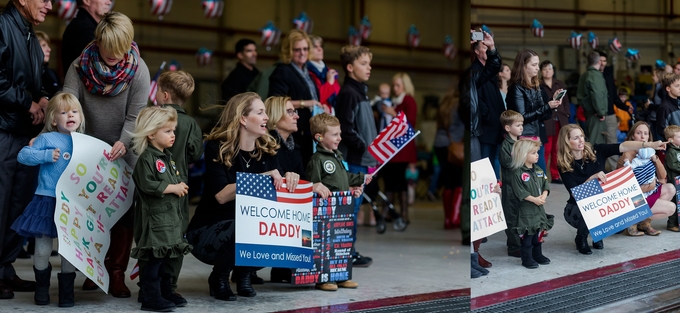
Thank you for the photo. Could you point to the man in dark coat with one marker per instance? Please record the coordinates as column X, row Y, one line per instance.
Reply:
column 245, row 71
column 612, row 100
column 21, row 118
column 80, row 31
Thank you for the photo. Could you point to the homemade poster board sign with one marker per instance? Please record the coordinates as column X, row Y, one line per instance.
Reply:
column 612, row 206
column 273, row 227
column 332, row 239
column 92, row 194
column 487, row 211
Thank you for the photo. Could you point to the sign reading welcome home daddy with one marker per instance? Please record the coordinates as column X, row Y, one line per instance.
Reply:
column 93, row 193
column 610, row 207
column 487, row 212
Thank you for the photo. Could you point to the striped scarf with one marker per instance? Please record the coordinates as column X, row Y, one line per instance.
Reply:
column 101, row 79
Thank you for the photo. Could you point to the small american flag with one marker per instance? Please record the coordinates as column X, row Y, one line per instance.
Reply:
column 391, row 139
column 154, row 84
column 261, row 186
column 593, row 187
column 135, row 271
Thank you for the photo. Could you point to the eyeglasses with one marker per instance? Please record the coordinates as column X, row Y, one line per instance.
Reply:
column 292, row 112
column 298, row 50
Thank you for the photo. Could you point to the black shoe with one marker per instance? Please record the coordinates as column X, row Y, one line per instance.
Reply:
column 537, row 255
column 598, row 245
column 18, row 284
column 5, row 291
column 152, row 299
column 42, row 285
column 556, row 181
column 582, row 246
column 527, row 260
column 361, row 261
column 243, row 285
column 168, row 294
column 254, row 279
column 280, row 275
column 515, row 253
column 222, row 290
column 54, row 253
column 474, row 264
column 66, row 296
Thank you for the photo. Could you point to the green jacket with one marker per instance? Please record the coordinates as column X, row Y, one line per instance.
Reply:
column 592, row 93
column 157, row 215
column 187, row 149
column 505, row 158
column 529, row 182
column 672, row 162
column 327, row 167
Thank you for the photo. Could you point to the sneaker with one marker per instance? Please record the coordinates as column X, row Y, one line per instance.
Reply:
column 327, row 287
column 347, row 284
column 361, row 261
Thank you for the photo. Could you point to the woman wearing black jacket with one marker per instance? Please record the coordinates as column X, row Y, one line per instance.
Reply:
column 525, row 96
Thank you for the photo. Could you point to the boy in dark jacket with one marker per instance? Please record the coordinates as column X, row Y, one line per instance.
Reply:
column 328, row 167
column 672, row 160
column 355, row 114
column 174, row 88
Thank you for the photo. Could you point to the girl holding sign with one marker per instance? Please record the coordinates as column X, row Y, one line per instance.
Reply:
column 52, row 151
column 651, row 174
column 530, row 189
column 579, row 162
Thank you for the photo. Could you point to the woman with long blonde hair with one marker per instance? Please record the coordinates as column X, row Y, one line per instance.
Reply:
column 240, row 142
column 579, row 162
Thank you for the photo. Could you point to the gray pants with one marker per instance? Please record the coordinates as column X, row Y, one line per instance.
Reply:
column 612, row 127
column 17, row 186
column 41, row 257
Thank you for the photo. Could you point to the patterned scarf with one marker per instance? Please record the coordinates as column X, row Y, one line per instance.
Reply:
column 101, row 79
column 289, row 143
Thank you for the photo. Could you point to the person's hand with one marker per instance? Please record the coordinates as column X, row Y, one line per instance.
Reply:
column 43, row 103
column 321, row 190
column 180, row 189
column 330, row 76
column 630, row 110
column 389, row 110
column 37, row 114
column 276, row 176
column 30, row 143
column 599, row 175
column 556, row 93
column 118, row 150
column 292, row 180
column 554, row 104
column 488, row 40
column 538, row 201
column 658, row 145
column 357, row 191
column 368, row 178
column 543, row 197
column 55, row 154
column 497, row 188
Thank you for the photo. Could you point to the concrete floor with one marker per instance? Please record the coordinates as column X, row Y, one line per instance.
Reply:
column 508, row 273
column 423, row 259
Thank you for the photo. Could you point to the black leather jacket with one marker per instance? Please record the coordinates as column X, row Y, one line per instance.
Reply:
column 477, row 78
column 20, row 73
column 531, row 104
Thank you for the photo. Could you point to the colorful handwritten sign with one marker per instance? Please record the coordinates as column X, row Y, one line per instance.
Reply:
column 612, row 206
column 332, row 239
column 485, row 205
column 273, row 227
column 93, row 193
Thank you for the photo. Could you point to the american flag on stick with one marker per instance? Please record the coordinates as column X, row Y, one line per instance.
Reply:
column 593, row 187
column 392, row 139
column 154, row 84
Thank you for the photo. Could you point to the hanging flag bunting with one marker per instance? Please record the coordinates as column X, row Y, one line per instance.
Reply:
column 365, row 27
column 575, row 40
column 593, row 41
column 632, row 54
column 213, row 8
column 449, row 49
column 67, row 9
column 204, row 57
column 660, row 64
column 174, row 66
column 537, row 28
column 614, row 45
column 160, row 7
column 413, row 36
column 270, row 35
column 354, row 36
column 303, row 23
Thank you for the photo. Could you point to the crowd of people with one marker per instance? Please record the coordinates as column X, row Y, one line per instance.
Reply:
column 292, row 121
column 521, row 119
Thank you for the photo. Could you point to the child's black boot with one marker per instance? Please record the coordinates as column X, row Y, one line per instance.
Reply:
column 168, row 294
column 66, row 296
column 42, row 285
column 537, row 254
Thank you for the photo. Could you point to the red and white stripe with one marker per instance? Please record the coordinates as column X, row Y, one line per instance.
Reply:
column 270, row 37
column 135, row 271
column 381, row 148
column 355, row 40
column 615, row 46
column 414, row 40
column 538, row 32
column 575, row 42
column 301, row 194
column 365, row 31
column 160, row 7
column 450, row 51
column 594, row 43
column 67, row 9
column 213, row 8
column 617, row 178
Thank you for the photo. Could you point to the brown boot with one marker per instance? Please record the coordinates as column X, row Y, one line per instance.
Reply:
column 633, row 230
column 117, row 260
column 482, row 262
column 647, row 228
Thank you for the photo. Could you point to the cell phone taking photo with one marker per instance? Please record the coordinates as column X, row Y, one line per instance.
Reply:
column 477, row 36
column 560, row 95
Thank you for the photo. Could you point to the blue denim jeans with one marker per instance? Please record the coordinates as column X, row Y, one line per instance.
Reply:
column 353, row 168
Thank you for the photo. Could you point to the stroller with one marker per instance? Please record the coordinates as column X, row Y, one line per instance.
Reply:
column 380, row 224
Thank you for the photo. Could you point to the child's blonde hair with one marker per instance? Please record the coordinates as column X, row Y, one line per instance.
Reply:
column 521, row 149
column 179, row 84
column 149, row 121
column 318, row 124
column 66, row 102
column 509, row 117
column 670, row 131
